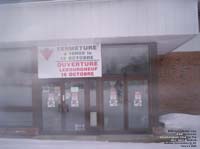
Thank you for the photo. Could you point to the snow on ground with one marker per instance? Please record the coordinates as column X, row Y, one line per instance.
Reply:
column 47, row 144
column 181, row 121
column 172, row 121
column 178, row 121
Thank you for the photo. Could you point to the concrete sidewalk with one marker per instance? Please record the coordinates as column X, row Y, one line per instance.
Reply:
column 135, row 138
column 111, row 138
column 66, row 144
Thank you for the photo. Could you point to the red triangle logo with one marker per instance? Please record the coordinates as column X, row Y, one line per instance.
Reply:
column 46, row 53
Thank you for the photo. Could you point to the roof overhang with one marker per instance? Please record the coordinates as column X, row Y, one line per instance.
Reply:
column 165, row 44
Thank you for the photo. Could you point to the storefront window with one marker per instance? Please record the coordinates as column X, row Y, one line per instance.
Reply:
column 16, row 119
column 15, row 88
column 125, row 59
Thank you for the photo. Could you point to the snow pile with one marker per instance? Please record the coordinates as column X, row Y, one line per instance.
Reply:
column 177, row 121
column 181, row 121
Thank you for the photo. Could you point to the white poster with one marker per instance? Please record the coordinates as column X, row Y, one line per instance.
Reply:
column 138, row 99
column 74, row 100
column 51, row 101
column 113, row 98
column 72, row 61
column 74, row 89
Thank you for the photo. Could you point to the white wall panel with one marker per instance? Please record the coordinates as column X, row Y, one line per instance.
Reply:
column 114, row 18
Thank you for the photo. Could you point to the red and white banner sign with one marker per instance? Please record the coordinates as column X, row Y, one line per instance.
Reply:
column 73, row 61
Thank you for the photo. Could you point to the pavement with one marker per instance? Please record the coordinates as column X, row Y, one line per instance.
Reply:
column 11, row 143
column 110, row 138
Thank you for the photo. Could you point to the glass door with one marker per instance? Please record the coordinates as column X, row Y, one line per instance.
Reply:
column 74, row 106
column 113, row 95
column 125, row 104
column 52, row 107
column 138, row 104
column 63, row 106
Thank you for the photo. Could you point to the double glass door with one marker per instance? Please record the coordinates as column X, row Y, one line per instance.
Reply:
column 64, row 106
column 125, row 105
column 107, row 105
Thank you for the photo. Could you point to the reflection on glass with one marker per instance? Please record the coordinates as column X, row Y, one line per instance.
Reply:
column 125, row 59
column 137, row 104
column 15, row 85
column 93, row 93
column 16, row 70
column 113, row 105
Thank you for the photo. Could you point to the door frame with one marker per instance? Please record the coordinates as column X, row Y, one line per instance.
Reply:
column 152, row 77
column 125, row 79
column 60, row 82
column 152, row 87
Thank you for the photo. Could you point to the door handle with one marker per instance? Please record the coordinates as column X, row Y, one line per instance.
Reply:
column 63, row 98
column 65, row 107
column 60, row 107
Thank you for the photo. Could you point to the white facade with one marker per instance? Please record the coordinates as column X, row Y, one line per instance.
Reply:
column 167, row 22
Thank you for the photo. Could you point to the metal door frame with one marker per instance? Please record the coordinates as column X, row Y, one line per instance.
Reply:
column 60, row 83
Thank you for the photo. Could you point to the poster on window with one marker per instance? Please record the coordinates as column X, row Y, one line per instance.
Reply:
column 70, row 61
column 137, row 99
column 51, row 103
column 74, row 99
column 113, row 97
column 74, row 89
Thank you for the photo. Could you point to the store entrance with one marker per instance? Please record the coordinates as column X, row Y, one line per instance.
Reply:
column 125, row 104
column 64, row 106
column 105, row 105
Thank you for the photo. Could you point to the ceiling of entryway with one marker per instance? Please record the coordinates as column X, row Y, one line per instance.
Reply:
column 25, row 1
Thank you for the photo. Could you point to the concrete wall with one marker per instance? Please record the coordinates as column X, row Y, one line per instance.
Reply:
column 98, row 19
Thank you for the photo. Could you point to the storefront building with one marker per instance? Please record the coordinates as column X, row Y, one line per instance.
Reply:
column 86, row 67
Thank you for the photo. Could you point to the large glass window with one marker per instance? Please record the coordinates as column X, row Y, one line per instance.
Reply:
column 125, row 59
column 15, row 87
